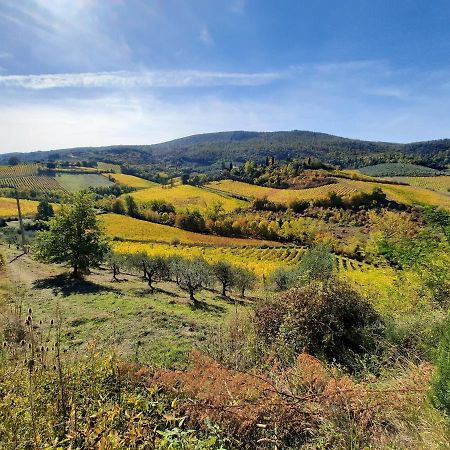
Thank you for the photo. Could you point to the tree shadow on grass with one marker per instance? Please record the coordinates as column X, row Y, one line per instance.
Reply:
column 201, row 305
column 65, row 285
column 146, row 292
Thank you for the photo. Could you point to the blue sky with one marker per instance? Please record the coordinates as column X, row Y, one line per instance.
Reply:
column 101, row 72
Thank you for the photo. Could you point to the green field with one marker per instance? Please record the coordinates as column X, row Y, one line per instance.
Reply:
column 438, row 183
column 78, row 182
column 164, row 322
column 397, row 169
column 109, row 167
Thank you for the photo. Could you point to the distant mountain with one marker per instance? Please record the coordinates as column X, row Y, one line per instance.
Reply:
column 210, row 149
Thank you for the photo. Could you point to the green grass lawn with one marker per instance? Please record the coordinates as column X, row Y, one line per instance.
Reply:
column 77, row 182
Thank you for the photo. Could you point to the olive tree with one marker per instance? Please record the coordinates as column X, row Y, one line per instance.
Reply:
column 244, row 279
column 153, row 268
column 194, row 275
column 225, row 273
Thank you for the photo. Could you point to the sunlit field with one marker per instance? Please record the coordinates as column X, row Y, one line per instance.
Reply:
column 127, row 228
column 281, row 195
column 185, row 196
column 405, row 194
column 132, row 181
column 440, row 184
column 8, row 207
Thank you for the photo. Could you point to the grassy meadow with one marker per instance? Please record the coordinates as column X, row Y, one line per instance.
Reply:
column 77, row 182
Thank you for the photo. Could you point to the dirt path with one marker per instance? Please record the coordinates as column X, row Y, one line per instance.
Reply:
column 21, row 268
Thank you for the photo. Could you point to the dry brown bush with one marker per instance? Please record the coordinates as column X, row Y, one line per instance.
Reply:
column 297, row 406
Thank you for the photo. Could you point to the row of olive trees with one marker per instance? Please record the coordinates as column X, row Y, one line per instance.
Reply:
column 76, row 238
column 191, row 275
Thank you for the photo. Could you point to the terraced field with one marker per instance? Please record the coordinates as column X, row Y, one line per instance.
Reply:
column 409, row 195
column 342, row 187
column 438, row 184
column 130, row 229
column 22, row 170
column 188, row 197
column 40, row 183
column 132, row 181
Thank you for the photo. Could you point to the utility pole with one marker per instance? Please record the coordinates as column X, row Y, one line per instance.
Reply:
column 22, row 231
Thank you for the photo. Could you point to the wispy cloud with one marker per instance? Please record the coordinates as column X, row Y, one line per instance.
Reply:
column 205, row 36
column 160, row 79
column 238, row 6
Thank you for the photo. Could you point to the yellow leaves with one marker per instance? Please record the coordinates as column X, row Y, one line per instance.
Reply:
column 261, row 260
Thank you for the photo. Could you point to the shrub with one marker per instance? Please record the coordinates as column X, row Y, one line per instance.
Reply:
column 317, row 264
column 191, row 221
column 280, row 278
column 298, row 206
column 440, row 386
column 328, row 320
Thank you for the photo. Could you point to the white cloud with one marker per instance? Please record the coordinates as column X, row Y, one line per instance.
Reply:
column 342, row 102
column 205, row 36
column 161, row 79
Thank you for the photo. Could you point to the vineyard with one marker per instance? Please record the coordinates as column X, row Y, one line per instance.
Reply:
column 263, row 259
column 76, row 182
column 397, row 170
column 409, row 195
column 23, row 170
column 129, row 229
column 40, row 183
column 132, row 181
column 439, row 183
column 186, row 196
column 342, row 187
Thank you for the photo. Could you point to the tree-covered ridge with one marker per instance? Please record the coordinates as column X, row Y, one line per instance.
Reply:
column 238, row 146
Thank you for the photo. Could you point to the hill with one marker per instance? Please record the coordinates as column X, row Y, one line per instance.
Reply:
column 237, row 146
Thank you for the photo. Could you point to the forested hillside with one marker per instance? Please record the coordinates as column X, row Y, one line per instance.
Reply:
column 238, row 146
